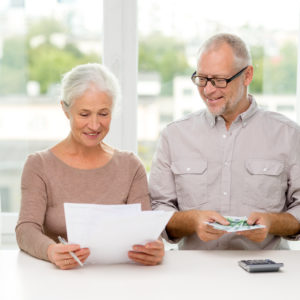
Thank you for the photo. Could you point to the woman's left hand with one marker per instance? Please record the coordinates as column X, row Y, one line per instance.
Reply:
column 150, row 254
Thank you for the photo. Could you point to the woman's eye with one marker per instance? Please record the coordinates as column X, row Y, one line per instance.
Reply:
column 83, row 115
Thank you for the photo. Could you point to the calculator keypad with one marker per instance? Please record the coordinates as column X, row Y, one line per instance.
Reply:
column 260, row 265
column 259, row 262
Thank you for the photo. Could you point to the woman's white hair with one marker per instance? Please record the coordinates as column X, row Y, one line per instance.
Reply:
column 77, row 81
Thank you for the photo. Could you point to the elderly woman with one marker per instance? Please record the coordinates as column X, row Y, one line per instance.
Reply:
column 80, row 169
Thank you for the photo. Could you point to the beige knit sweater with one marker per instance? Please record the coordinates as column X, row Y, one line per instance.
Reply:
column 47, row 182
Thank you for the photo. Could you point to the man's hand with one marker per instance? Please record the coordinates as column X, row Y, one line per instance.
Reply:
column 150, row 254
column 204, row 231
column 260, row 234
column 59, row 255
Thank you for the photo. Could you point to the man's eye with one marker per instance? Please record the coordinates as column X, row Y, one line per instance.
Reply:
column 83, row 115
column 200, row 80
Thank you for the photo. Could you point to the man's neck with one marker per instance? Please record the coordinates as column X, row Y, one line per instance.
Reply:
column 231, row 117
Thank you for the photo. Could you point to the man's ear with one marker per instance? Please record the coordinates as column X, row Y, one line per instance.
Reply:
column 63, row 105
column 248, row 75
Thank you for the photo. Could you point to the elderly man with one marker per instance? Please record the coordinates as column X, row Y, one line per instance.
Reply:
column 232, row 159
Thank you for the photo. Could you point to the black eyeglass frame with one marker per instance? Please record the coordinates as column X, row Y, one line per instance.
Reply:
column 212, row 80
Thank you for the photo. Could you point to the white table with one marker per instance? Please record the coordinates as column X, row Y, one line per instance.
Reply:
column 183, row 275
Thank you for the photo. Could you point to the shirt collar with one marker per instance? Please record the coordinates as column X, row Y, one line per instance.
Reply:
column 211, row 119
column 246, row 115
column 252, row 109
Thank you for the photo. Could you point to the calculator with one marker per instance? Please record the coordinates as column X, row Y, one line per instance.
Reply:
column 260, row 265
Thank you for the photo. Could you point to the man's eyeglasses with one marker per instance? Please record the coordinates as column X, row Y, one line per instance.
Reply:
column 217, row 82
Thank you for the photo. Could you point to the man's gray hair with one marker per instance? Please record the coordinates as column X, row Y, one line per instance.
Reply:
column 77, row 81
column 239, row 47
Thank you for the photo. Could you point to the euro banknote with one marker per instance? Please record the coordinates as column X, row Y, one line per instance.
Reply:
column 235, row 224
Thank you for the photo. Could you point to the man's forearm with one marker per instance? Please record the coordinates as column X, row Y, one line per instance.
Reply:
column 182, row 224
column 188, row 222
column 283, row 224
column 185, row 223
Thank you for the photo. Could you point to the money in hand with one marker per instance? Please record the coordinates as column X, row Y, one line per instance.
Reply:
column 236, row 224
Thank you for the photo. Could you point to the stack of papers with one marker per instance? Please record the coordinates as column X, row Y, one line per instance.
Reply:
column 110, row 231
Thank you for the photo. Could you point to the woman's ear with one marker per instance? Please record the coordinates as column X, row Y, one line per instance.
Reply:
column 63, row 105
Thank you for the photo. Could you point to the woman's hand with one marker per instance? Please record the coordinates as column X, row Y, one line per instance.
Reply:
column 150, row 254
column 59, row 255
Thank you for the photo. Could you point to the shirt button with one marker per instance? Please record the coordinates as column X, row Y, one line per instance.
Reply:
column 265, row 169
column 226, row 163
column 224, row 136
column 224, row 193
column 188, row 169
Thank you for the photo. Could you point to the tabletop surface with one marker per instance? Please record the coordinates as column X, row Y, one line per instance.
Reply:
column 182, row 275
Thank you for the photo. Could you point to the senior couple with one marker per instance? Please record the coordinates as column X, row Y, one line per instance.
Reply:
column 230, row 159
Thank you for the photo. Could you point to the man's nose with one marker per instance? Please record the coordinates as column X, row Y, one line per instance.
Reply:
column 209, row 88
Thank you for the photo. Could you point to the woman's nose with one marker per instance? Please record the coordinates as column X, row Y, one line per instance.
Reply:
column 94, row 123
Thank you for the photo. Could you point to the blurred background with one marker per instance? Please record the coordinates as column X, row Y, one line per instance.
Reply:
column 41, row 40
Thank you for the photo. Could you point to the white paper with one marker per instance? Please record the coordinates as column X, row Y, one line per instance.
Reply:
column 110, row 231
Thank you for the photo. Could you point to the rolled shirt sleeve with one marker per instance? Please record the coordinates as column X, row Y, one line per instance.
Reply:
column 293, row 192
column 162, row 183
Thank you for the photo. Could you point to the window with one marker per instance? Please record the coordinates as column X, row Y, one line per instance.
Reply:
column 39, row 41
column 170, row 33
column 5, row 199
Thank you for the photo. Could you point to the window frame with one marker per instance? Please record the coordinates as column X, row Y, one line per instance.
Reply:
column 298, row 77
column 120, row 53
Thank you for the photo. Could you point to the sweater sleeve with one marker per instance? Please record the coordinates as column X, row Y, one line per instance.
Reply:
column 29, row 230
column 138, row 192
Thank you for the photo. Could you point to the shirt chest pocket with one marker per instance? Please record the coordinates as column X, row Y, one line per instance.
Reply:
column 263, row 184
column 191, row 182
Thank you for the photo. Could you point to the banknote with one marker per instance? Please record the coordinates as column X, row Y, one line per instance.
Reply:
column 236, row 224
